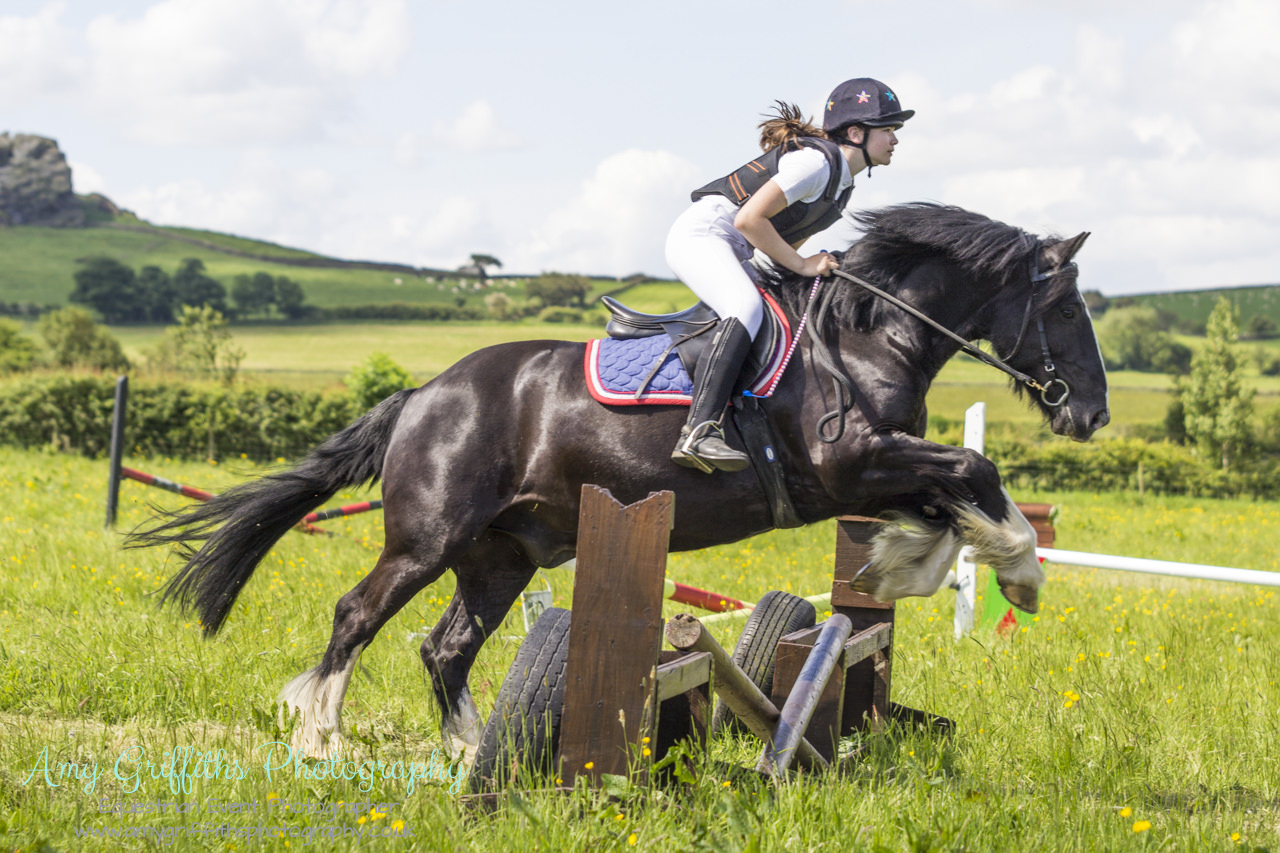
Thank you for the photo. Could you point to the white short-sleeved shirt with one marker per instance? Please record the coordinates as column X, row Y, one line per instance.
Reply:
column 803, row 175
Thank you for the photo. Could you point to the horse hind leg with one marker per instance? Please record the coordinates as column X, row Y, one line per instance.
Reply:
column 315, row 697
column 490, row 578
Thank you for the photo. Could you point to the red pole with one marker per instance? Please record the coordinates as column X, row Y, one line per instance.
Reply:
column 685, row 594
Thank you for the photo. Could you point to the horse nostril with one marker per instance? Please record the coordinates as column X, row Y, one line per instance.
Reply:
column 1101, row 419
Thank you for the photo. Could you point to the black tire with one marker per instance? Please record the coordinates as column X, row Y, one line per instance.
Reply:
column 523, row 730
column 776, row 615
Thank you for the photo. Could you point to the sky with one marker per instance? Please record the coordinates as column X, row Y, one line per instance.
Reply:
column 566, row 136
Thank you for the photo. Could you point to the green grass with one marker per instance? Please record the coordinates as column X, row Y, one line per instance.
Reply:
column 1134, row 712
column 37, row 265
column 1193, row 306
column 324, row 354
column 319, row 356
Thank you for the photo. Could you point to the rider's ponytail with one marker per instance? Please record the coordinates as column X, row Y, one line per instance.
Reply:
column 787, row 124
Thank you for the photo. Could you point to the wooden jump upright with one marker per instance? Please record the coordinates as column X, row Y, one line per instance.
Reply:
column 623, row 695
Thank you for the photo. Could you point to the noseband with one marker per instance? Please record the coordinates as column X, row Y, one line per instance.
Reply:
column 1046, row 390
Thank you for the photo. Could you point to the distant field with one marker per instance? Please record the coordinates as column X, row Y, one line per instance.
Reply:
column 320, row 356
column 37, row 265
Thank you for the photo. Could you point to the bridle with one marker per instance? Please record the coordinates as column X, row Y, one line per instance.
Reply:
column 1049, row 367
column 1046, row 390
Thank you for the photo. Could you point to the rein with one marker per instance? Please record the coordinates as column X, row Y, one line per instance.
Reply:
column 844, row 392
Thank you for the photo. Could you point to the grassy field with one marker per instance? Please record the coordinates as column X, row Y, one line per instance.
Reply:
column 320, row 356
column 1133, row 712
column 37, row 265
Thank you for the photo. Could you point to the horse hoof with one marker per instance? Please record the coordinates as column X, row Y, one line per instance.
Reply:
column 867, row 580
column 460, row 750
column 1025, row 598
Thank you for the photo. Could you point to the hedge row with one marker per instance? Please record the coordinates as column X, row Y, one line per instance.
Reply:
column 189, row 420
column 168, row 418
column 1128, row 464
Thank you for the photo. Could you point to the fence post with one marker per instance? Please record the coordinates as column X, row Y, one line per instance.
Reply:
column 117, row 447
column 975, row 425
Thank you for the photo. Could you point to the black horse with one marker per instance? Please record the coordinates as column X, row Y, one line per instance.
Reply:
column 482, row 467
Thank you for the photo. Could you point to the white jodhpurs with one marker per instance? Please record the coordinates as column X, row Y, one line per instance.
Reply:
column 712, row 258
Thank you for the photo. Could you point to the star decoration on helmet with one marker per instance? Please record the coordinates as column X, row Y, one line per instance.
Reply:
column 863, row 97
column 889, row 95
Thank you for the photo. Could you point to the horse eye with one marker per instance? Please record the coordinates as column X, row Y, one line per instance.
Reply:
column 1069, row 312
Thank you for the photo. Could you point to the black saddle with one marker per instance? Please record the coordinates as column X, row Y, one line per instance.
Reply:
column 691, row 332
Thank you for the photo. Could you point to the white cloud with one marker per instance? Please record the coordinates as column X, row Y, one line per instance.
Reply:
column 36, row 58
column 476, row 129
column 85, row 179
column 261, row 199
column 221, row 71
column 618, row 221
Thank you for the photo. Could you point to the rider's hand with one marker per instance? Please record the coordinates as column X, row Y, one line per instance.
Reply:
column 820, row 264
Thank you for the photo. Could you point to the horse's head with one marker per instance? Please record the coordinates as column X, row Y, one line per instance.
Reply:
column 1050, row 337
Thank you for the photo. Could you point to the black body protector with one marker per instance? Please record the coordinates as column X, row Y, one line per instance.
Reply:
column 798, row 221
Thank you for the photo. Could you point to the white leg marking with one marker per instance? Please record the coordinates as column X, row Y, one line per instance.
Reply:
column 317, row 702
column 909, row 558
column 1008, row 548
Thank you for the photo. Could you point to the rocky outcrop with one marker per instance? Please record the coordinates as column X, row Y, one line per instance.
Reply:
column 35, row 183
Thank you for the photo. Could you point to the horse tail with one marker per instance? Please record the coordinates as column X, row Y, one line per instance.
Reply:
column 239, row 526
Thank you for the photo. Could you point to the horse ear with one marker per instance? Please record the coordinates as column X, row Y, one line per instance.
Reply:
column 1064, row 250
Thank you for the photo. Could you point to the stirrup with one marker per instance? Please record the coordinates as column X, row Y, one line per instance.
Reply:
column 704, row 447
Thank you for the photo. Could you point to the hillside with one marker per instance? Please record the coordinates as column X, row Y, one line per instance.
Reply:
column 1192, row 307
column 37, row 263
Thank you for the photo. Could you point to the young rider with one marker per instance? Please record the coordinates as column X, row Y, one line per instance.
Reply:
column 797, row 188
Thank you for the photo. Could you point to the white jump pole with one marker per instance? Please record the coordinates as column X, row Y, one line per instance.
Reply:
column 1159, row 567
column 975, row 427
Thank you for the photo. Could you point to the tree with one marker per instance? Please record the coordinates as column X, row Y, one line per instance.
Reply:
column 197, row 289
column 1261, row 326
column 553, row 288
column 17, row 351
column 1217, row 408
column 200, row 344
column 483, row 261
column 254, row 294
column 499, row 305
column 74, row 340
column 1136, row 337
column 110, row 288
column 377, row 378
column 159, row 293
column 289, row 298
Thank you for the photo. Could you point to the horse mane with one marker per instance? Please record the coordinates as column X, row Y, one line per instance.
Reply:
column 900, row 238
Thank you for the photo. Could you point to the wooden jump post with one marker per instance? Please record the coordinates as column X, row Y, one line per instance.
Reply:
column 622, row 694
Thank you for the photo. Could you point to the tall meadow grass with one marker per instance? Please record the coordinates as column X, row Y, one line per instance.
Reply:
column 1132, row 712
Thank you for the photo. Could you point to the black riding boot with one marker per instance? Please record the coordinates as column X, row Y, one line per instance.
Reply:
column 702, row 443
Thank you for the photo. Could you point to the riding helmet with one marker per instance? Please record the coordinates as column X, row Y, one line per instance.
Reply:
column 866, row 102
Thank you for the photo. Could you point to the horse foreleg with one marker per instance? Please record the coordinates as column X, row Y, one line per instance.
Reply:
column 960, row 500
column 491, row 577
column 316, row 695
